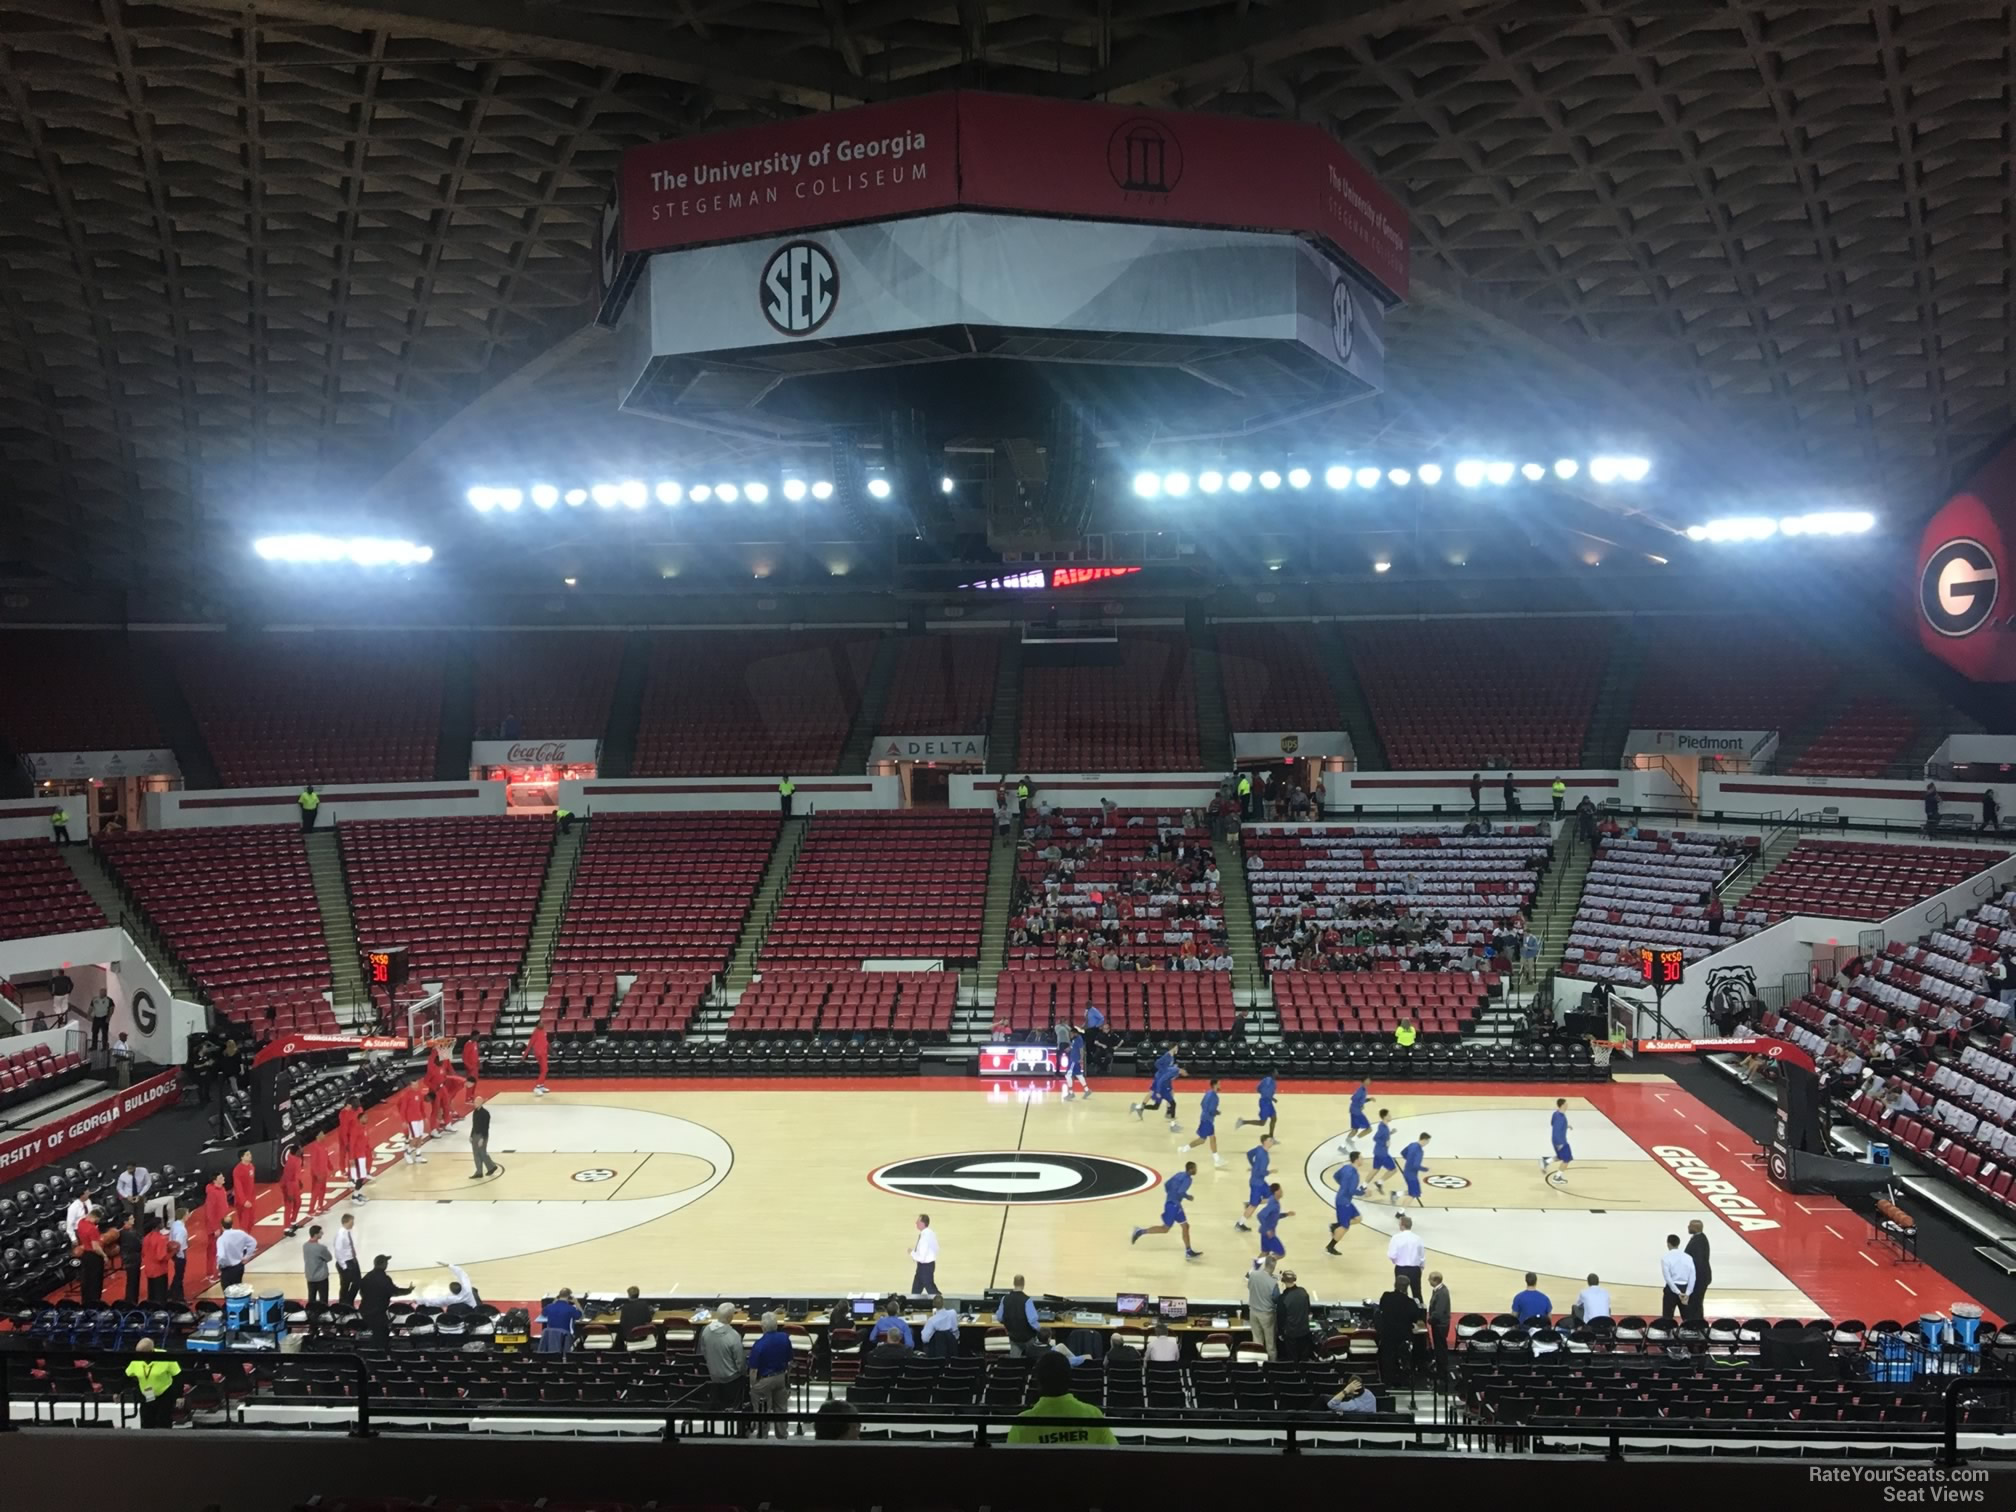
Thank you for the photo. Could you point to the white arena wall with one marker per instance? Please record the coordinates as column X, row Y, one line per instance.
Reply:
column 661, row 795
column 28, row 818
column 209, row 808
column 1868, row 800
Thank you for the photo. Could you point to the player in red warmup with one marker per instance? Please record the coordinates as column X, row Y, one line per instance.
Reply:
column 216, row 1203
column 452, row 1088
column 435, row 1075
column 413, row 1114
column 538, row 1048
column 321, row 1171
column 244, row 1189
column 356, row 1151
column 472, row 1060
column 290, row 1189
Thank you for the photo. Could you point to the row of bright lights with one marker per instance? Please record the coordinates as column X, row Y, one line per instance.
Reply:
column 358, row 551
column 1764, row 527
column 636, row 494
column 1469, row 473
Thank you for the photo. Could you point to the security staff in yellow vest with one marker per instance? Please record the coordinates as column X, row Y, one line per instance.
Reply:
column 1406, row 1034
column 1560, row 792
column 1245, row 796
column 310, row 801
column 785, row 788
column 155, row 1380
column 59, row 824
column 564, row 818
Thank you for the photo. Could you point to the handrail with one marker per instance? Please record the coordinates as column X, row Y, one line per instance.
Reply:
column 1949, row 1446
column 19, row 1346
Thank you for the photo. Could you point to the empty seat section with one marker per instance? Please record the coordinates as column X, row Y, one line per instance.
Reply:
column 1652, row 891
column 662, row 890
column 750, row 703
column 651, row 1000
column 30, row 1073
column 1729, row 674
column 909, row 1004
column 557, row 685
column 39, row 894
column 459, row 894
column 891, row 885
column 1852, row 879
column 1863, row 740
column 1275, row 679
column 1353, row 897
column 1135, row 710
column 72, row 690
column 941, row 685
column 1132, row 884
column 1442, row 1005
column 236, row 906
column 277, row 710
column 1481, row 693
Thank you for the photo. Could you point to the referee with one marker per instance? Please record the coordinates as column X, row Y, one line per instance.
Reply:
column 1405, row 1251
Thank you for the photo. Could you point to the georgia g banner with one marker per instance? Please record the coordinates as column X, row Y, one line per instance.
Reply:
column 1966, row 612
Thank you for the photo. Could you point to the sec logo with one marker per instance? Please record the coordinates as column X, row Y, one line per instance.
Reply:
column 595, row 1173
column 1446, row 1183
column 799, row 289
column 1023, row 1177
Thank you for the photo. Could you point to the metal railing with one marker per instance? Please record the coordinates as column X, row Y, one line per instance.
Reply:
column 21, row 1348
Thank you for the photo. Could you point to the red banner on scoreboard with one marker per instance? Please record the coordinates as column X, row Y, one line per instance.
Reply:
column 1012, row 153
column 876, row 162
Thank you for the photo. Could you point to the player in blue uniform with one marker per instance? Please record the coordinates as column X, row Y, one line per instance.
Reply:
column 1175, row 1192
column 1349, row 1186
column 1257, row 1160
column 1074, row 1067
column 1411, row 1168
column 1266, row 1106
column 1360, row 1124
column 1162, row 1087
column 1563, row 1157
column 1207, row 1125
column 1270, row 1221
column 1382, row 1151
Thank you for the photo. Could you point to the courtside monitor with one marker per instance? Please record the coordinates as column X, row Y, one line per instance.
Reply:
column 864, row 1307
column 1174, row 1308
column 1130, row 1304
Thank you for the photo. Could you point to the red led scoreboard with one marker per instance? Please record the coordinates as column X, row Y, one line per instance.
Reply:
column 1662, row 968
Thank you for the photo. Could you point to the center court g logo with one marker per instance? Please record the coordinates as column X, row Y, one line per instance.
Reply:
column 1958, row 589
column 799, row 289
column 990, row 1178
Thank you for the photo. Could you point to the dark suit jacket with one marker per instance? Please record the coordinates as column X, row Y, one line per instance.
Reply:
column 1697, row 1251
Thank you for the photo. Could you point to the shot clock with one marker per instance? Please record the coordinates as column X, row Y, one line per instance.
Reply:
column 385, row 968
column 1662, row 968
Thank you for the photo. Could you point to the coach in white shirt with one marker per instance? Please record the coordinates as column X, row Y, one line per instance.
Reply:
column 1405, row 1251
column 924, row 1254
column 74, row 1215
column 1593, row 1301
column 1676, row 1267
column 234, row 1248
column 135, row 1182
column 459, row 1290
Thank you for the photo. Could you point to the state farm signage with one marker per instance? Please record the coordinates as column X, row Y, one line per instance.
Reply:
column 1013, row 153
column 495, row 753
column 87, row 1125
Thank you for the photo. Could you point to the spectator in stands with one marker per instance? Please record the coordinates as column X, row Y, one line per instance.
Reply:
column 1262, row 1292
column 560, row 1320
column 374, row 1298
column 1291, row 1321
column 1991, row 812
column 99, row 1009
column 1676, row 1270
column 837, row 1419
column 1476, row 792
column 1712, row 902
column 1592, row 1302
column 1164, row 1348
column 893, row 1323
column 1405, row 1034
column 122, row 1060
column 1052, row 1377
column 1438, row 1323
column 1511, row 794
column 60, row 988
column 234, row 1247
column 1532, row 1307
column 507, row 727
column 634, row 1315
column 1353, row 1397
column 941, row 1330
column 1002, row 814
column 310, row 802
column 770, row 1376
column 1931, row 808
column 727, row 1363
column 1558, row 791
column 155, row 1380
column 785, row 789
column 1585, row 820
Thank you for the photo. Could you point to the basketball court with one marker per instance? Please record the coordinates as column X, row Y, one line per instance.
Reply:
column 750, row 1189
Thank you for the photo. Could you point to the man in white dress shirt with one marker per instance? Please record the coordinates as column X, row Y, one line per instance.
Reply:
column 1405, row 1250
column 924, row 1254
column 461, row 1289
column 1676, row 1268
column 1593, row 1301
column 74, row 1214
column 134, row 1183
column 234, row 1248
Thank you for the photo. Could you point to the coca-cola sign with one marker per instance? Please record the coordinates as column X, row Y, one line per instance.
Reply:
column 520, row 753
